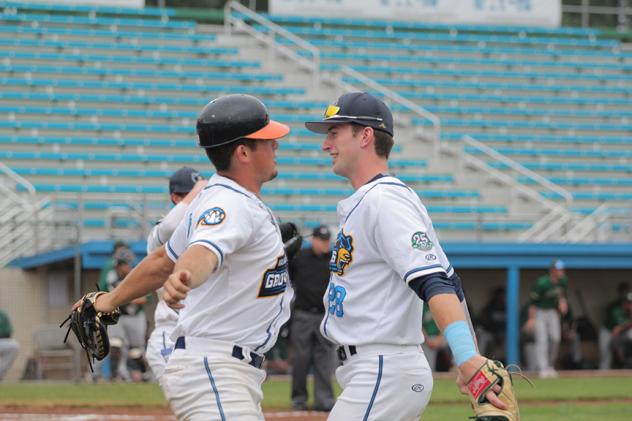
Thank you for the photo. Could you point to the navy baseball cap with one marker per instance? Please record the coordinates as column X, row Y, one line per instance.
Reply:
column 322, row 232
column 358, row 108
column 183, row 180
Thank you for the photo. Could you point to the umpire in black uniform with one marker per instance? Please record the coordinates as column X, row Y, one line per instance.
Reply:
column 309, row 272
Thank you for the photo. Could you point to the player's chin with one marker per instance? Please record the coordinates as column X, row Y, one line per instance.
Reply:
column 338, row 169
column 273, row 174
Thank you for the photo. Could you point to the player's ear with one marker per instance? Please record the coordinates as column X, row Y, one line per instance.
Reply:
column 241, row 153
column 368, row 136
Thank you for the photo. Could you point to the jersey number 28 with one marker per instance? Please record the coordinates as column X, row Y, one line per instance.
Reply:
column 336, row 297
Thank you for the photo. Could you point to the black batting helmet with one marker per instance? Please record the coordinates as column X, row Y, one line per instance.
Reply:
column 233, row 117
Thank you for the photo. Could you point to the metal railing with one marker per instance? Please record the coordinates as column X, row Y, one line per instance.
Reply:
column 557, row 215
column 231, row 20
column 601, row 225
column 313, row 64
column 22, row 214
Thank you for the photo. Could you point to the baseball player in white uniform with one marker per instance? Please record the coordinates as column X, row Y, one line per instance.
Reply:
column 386, row 257
column 184, row 185
column 225, row 269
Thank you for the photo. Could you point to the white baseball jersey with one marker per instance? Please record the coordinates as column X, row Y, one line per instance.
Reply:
column 385, row 240
column 165, row 316
column 247, row 299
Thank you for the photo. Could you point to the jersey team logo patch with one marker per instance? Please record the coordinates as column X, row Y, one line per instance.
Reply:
column 421, row 241
column 275, row 280
column 213, row 216
column 342, row 254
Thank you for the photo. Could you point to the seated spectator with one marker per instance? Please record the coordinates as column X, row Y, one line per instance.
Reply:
column 613, row 311
column 492, row 325
column 9, row 347
column 616, row 336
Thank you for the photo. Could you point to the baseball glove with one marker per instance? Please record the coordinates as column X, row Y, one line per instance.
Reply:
column 490, row 374
column 90, row 327
column 292, row 239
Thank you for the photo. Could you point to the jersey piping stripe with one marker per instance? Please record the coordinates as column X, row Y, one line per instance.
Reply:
column 377, row 386
column 174, row 255
column 372, row 187
column 270, row 325
column 212, row 244
column 423, row 269
column 189, row 227
column 228, row 187
column 214, row 388
column 449, row 269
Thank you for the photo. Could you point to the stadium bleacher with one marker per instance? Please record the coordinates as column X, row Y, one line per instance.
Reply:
column 557, row 101
column 100, row 106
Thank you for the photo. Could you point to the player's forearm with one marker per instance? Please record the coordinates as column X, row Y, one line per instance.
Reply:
column 170, row 222
column 445, row 309
column 147, row 277
column 199, row 261
column 448, row 313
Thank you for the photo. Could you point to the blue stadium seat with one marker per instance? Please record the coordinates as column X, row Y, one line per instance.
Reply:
column 115, row 46
column 517, row 30
column 587, row 56
column 463, row 73
column 98, row 20
column 446, row 60
column 575, row 153
column 544, row 138
column 456, row 36
column 49, row 7
column 110, row 32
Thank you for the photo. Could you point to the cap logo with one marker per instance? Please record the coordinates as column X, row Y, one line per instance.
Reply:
column 331, row 111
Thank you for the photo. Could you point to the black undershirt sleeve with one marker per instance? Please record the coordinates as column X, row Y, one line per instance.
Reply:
column 428, row 286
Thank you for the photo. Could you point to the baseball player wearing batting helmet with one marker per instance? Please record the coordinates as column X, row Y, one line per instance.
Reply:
column 225, row 268
column 184, row 185
column 386, row 257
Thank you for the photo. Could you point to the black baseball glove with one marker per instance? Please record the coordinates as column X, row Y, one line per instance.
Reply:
column 90, row 327
column 292, row 239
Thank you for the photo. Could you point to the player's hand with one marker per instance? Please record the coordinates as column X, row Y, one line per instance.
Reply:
column 176, row 288
column 563, row 307
column 199, row 185
column 467, row 370
column 103, row 303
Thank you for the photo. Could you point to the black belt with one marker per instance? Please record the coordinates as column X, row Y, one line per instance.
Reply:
column 342, row 354
column 256, row 360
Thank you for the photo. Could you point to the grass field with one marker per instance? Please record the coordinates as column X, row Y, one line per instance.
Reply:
column 578, row 398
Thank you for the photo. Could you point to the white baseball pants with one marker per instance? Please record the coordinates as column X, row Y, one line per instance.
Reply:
column 159, row 348
column 383, row 382
column 205, row 383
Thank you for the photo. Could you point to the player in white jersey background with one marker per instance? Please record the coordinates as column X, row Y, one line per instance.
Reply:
column 225, row 269
column 386, row 257
column 184, row 185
